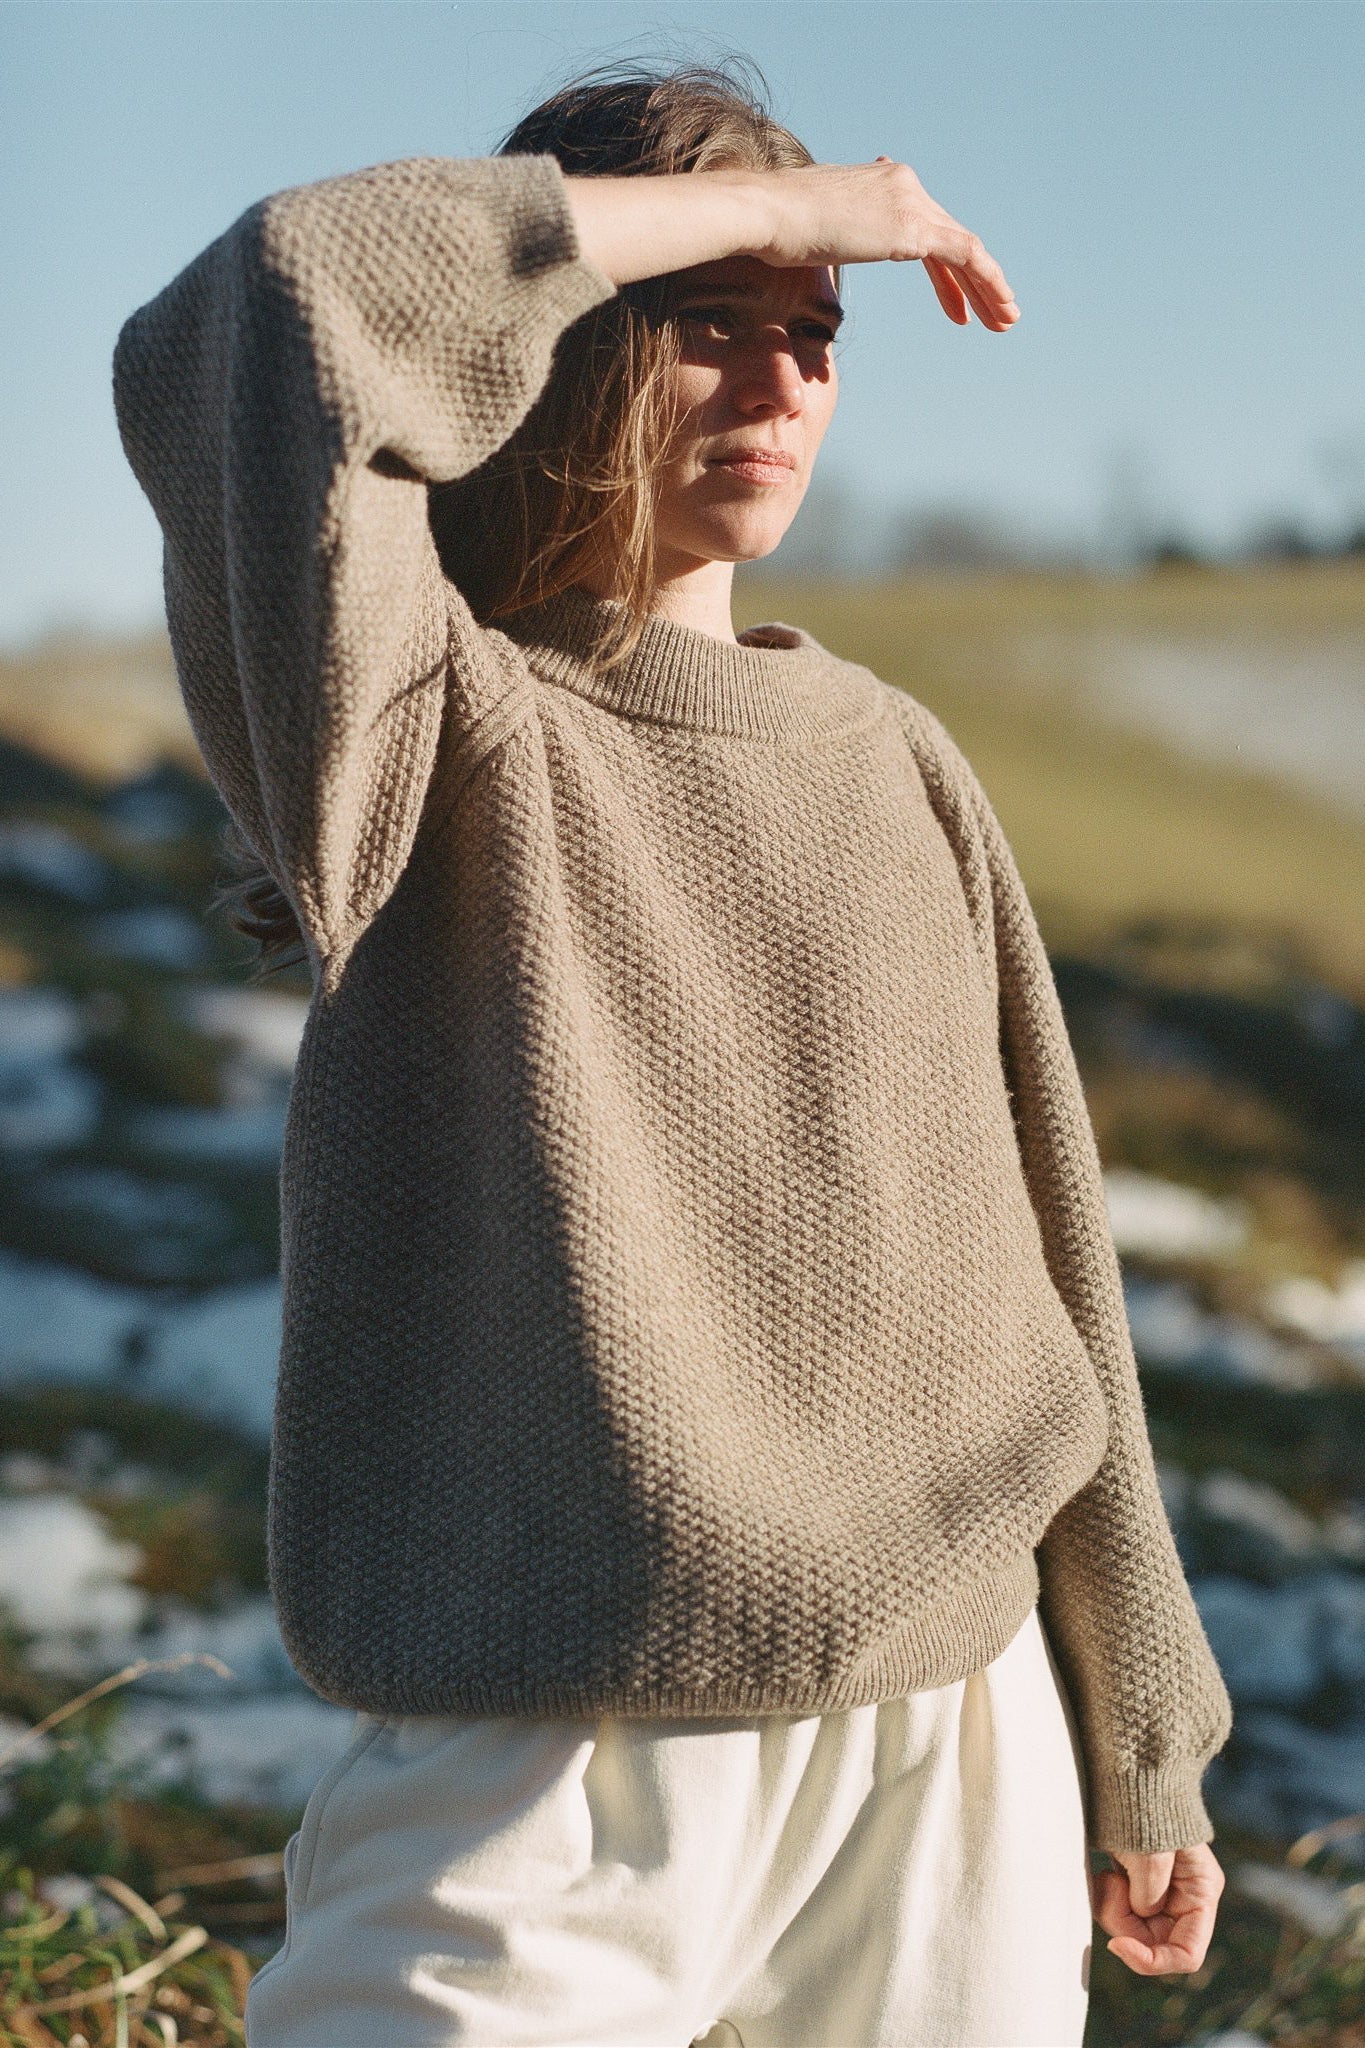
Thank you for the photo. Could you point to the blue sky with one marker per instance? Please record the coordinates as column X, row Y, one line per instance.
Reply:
column 1174, row 187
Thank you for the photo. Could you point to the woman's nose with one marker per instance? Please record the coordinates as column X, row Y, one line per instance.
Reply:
column 769, row 381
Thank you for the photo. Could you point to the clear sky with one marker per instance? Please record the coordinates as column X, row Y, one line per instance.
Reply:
column 1174, row 187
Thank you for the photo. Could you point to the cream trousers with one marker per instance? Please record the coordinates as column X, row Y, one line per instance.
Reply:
column 909, row 1874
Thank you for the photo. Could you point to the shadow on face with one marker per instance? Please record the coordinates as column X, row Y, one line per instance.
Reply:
column 756, row 386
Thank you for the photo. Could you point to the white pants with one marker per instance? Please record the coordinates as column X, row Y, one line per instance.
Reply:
column 909, row 1874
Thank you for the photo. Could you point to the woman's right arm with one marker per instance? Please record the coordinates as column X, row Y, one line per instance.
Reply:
column 284, row 403
column 286, row 400
column 814, row 214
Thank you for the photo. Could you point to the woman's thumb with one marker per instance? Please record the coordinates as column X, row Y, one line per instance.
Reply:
column 1149, row 1879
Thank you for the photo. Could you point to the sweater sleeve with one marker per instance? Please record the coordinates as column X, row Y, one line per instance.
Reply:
column 285, row 402
column 1149, row 1699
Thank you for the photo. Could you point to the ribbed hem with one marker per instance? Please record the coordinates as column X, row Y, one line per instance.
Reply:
column 1149, row 1809
column 776, row 682
column 940, row 1645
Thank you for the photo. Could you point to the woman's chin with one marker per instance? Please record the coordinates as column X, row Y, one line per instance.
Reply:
column 747, row 541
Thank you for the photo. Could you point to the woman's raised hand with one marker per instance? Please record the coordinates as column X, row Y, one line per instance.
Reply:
column 816, row 214
column 881, row 213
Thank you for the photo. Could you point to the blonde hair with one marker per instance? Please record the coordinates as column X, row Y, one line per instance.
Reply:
column 575, row 485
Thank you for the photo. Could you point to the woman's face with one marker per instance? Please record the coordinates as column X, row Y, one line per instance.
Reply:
column 757, row 375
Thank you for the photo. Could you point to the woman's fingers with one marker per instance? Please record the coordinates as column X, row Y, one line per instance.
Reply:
column 953, row 298
column 950, row 294
column 980, row 276
column 1161, row 1944
column 1152, row 1944
column 992, row 309
column 963, row 258
column 880, row 212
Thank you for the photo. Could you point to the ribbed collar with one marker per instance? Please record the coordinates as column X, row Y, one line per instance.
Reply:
column 776, row 682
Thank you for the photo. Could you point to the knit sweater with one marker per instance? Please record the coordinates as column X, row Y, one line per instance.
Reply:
column 698, row 1294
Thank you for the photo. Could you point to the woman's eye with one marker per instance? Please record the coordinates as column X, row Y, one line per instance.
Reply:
column 708, row 316
column 723, row 321
column 723, row 324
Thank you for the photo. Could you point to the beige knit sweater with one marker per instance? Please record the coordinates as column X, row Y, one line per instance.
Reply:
column 698, row 1290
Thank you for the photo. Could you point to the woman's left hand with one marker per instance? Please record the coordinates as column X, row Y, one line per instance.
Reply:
column 1159, row 1907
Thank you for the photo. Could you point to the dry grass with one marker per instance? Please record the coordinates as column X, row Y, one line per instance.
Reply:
column 108, row 708
column 1108, row 823
column 151, row 1980
column 150, row 1977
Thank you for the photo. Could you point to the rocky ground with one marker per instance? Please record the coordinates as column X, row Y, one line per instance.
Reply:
column 143, row 1084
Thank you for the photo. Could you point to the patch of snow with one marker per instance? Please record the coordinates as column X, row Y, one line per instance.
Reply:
column 1291, row 706
column 152, row 935
column 217, row 1352
column 141, row 809
column 1282, row 1776
column 37, row 1746
column 1290, row 1536
column 44, row 1108
column 1343, row 1529
column 270, row 1750
column 1277, row 1646
column 250, row 1135
column 45, row 1100
column 1232, row 1498
column 52, row 858
column 1161, row 1219
column 266, row 1025
column 258, row 1734
column 67, row 1891
column 221, row 1353
column 25, row 1472
column 167, row 1223
column 1319, row 1907
column 1331, row 1315
column 245, row 1636
column 57, row 1323
column 1171, row 1327
column 62, row 1573
column 37, row 1024
column 134, row 1202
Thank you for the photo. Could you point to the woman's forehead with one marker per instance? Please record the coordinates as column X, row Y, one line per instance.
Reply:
column 748, row 279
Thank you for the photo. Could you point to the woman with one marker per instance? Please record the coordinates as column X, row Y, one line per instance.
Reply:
column 708, row 1452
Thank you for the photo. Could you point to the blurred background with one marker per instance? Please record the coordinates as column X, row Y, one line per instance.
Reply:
column 1120, row 550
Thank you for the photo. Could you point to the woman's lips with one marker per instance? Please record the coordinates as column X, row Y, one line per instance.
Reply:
column 757, row 469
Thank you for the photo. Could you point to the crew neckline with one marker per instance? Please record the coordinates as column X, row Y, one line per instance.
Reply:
column 776, row 681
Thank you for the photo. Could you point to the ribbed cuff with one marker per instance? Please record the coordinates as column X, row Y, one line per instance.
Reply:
column 1148, row 1810
column 541, row 231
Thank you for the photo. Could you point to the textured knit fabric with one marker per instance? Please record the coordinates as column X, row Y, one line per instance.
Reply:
column 698, row 1289
column 910, row 1874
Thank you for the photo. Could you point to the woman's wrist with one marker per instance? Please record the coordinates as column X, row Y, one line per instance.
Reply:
column 637, row 227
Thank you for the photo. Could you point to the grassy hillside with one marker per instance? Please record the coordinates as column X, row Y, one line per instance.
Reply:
column 105, row 707
column 1109, row 822
column 1184, row 901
